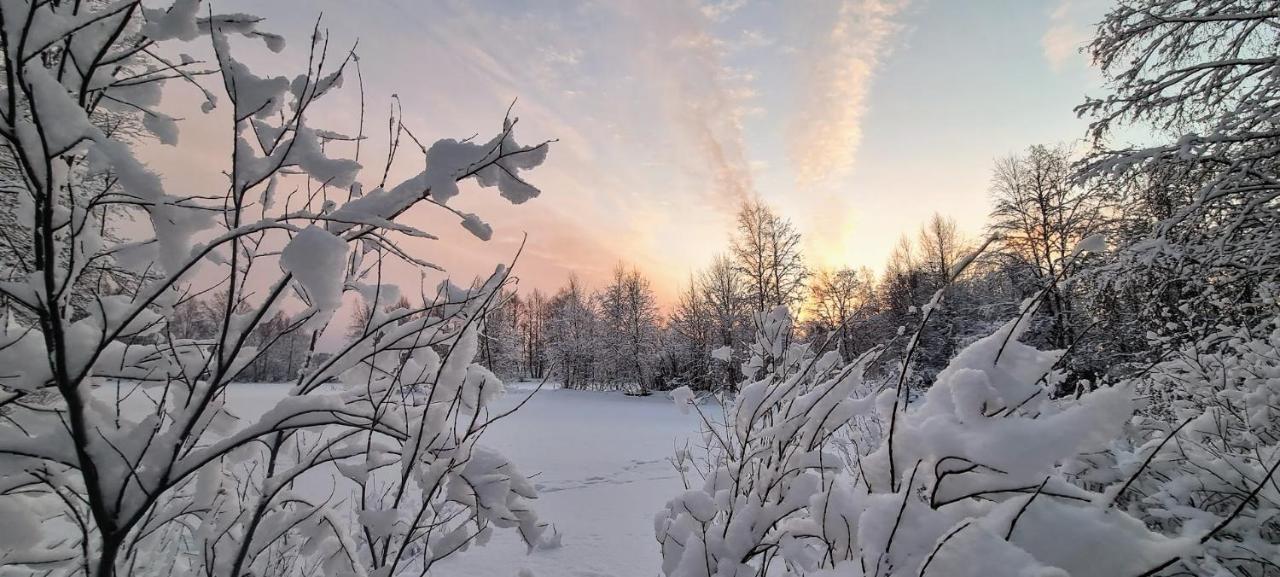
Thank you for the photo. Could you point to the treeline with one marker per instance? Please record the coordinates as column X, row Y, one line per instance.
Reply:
column 279, row 351
column 616, row 336
column 1114, row 310
column 1117, row 311
column 611, row 337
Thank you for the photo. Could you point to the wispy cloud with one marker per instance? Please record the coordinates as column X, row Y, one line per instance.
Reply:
column 753, row 39
column 721, row 9
column 838, row 66
column 647, row 114
column 1064, row 36
column 702, row 97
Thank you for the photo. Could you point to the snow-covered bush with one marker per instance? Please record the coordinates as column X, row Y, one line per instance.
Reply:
column 766, row 458
column 1206, row 456
column 122, row 446
column 985, row 474
column 1200, row 210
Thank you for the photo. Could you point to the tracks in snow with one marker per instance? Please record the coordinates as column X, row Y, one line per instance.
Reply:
column 634, row 471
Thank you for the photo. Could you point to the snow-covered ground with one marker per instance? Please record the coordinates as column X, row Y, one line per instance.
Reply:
column 603, row 473
column 599, row 461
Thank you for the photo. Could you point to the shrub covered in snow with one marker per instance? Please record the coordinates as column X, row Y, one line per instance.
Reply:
column 1206, row 450
column 985, row 474
column 120, row 450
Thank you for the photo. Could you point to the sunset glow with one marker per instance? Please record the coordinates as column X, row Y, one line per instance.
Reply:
column 856, row 119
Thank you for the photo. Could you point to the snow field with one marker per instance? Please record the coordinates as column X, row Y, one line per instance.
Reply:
column 599, row 460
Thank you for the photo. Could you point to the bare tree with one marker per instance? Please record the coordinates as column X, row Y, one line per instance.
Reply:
column 729, row 302
column 573, row 335
column 837, row 299
column 1040, row 214
column 688, row 337
column 903, row 285
column 501, row 349
column 766, row 252
column 628, row 329
column 751, row 250
column 941, row 247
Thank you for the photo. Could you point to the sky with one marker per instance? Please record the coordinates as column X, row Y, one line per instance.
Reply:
column 856, row 119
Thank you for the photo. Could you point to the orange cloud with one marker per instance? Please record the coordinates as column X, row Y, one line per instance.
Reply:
column 838, row 68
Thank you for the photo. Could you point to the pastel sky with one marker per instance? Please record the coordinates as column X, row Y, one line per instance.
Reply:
column 857, row 119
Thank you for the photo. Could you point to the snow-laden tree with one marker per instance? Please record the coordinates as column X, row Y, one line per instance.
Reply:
column 573, row 336
column 628, row 329
column 16, row 247
column 904, row 284
column 915, row 271
column 686, row 339
column 121, row 448
column 1202, row 76
column 712, row 314
column 533, row 317
column 820, row 469
column 502, row 350
column 727, row 299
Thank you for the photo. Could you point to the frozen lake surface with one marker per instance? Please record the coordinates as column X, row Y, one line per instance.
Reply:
column 602, row 468
column 600, row 463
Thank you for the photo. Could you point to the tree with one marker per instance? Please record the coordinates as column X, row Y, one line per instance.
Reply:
column 269, row 365
column 180, row 480
column 837, row 300
column 611, row 302
column 17, row 236
column 750, row 247
column 978, row 300
column 628, row 329
column 362, row 316
column 766, row 252
column 1201, row 75
column 687, row 339
column 941, row 248
column 903, row 286
column 502, row 351
column 535, row 315
column 573, row 336
column 641, row 325
column 729, row 304
column 1204, row 411
column 712, row 314
column 194, row 318
column 1040, row 213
